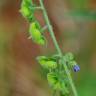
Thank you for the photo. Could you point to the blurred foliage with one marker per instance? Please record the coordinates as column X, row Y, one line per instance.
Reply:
column 79, row 4
column 87, row 84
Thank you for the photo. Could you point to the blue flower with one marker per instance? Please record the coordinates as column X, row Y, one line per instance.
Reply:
column 76, row 68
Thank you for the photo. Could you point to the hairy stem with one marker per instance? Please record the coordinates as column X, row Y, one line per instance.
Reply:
column 57, row 47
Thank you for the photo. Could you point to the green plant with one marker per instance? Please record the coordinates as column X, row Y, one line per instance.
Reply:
column 58, row 66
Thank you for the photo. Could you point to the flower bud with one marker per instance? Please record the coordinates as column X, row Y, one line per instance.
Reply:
column 76, row 68
column 25, row 11
column 41, row 41
column 47, row 63
column 36, row 34
column 52, row 79
column 69, row 56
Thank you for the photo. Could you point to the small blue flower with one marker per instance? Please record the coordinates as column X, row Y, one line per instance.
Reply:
column 76, row 68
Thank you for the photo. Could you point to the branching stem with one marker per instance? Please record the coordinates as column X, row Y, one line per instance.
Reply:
column 58, row 48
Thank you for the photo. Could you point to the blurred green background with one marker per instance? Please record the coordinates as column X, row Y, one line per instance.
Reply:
column 74, row 24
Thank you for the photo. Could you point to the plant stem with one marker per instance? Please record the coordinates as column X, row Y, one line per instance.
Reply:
column 57, row 47
column 50, row 28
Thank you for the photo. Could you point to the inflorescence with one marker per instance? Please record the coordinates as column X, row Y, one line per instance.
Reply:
column 56, row 75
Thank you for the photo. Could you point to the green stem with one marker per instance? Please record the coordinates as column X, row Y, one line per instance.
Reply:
column 50, row 28
column 38, row 7
column 58, row 48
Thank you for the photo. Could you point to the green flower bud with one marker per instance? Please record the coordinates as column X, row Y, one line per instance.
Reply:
column 60, row 86
column 51, row 64
column 42, row 61
column 35, row 25
column 26, row 2
column 54, row 82
column 37, row 37
column 52, row 79
column 57, row 86
column 72, row 63
column 47, row 63
column 64, row 89
column 36, row 34
column 25, row 11
column 42, row 41
column 69, row 57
